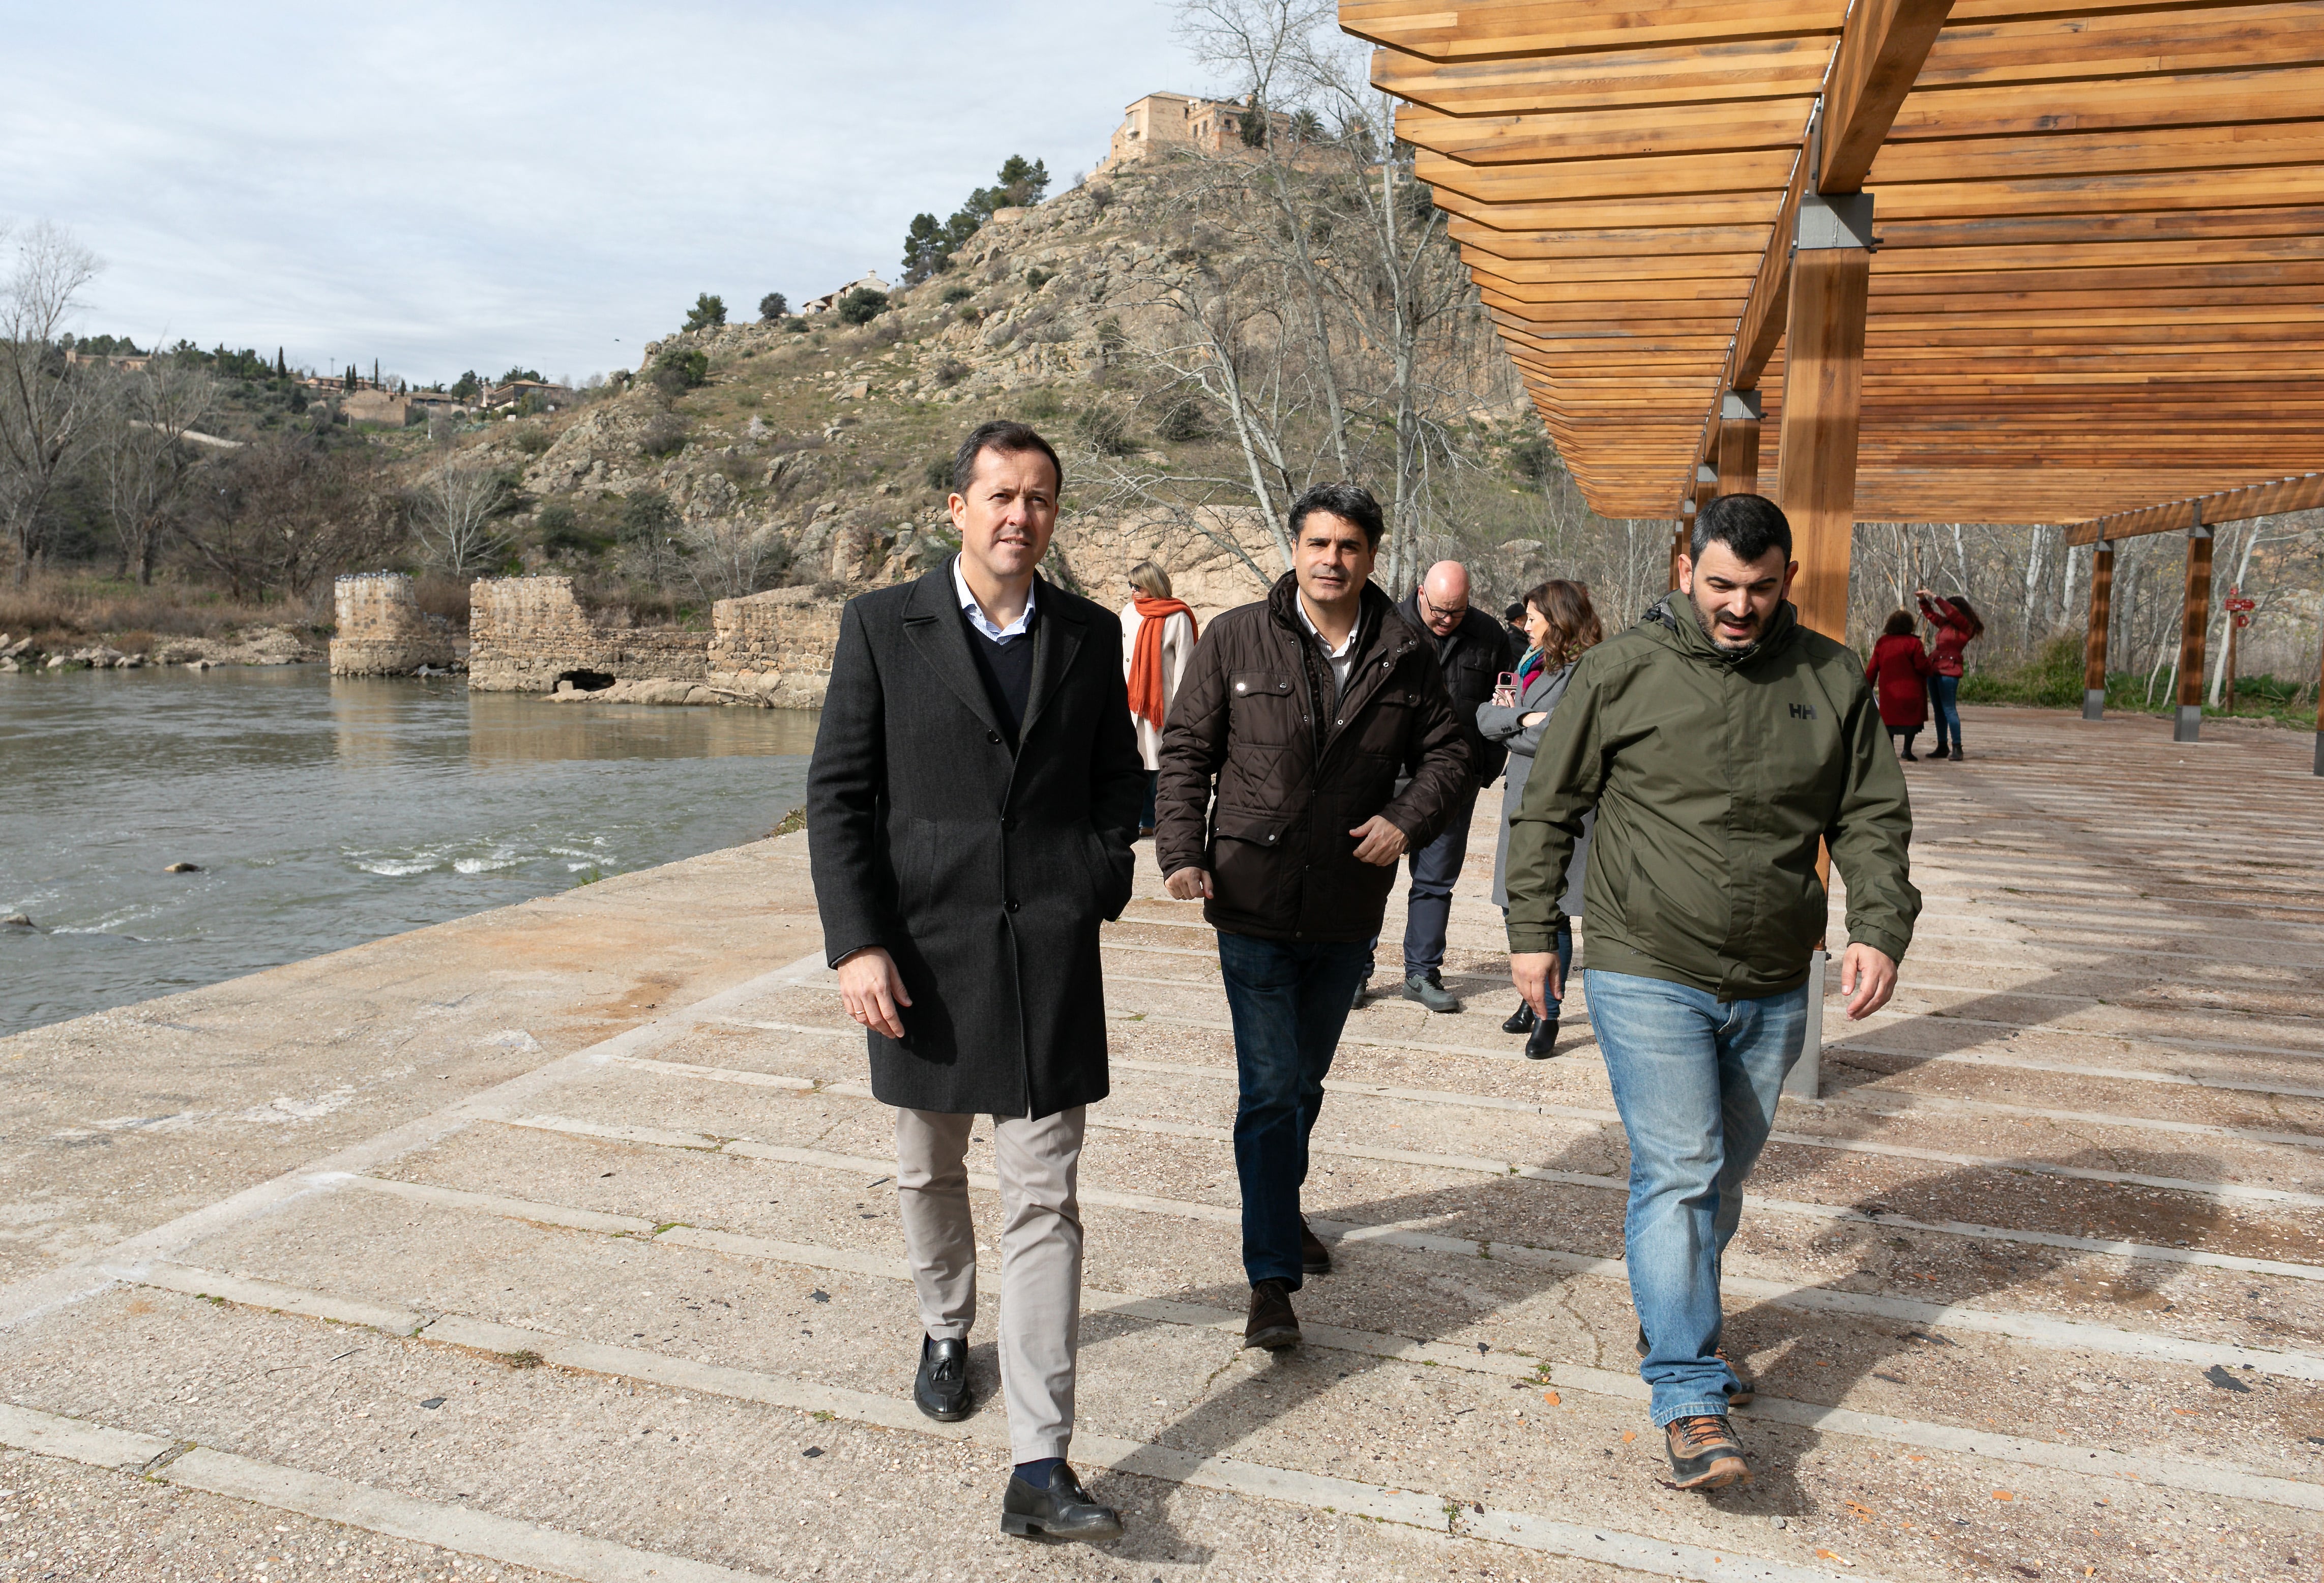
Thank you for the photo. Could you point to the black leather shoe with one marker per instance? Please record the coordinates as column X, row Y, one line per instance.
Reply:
column 1314, row 1258
column 1272, row 1324
column 1542, row 1042
column 1520, row 1021
column 941, row 1390
column 1062, row 1513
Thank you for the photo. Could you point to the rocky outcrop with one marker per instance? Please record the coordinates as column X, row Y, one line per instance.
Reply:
column 382, row 630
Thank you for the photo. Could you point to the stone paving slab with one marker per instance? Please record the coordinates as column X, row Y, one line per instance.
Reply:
column 624, row 1132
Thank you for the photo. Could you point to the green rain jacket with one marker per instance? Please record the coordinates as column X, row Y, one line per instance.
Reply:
column 1713, row 776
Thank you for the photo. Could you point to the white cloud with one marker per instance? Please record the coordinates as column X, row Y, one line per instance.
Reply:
column 442, row 187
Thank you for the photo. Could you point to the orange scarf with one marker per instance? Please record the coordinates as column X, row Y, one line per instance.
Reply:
column 1146, row 699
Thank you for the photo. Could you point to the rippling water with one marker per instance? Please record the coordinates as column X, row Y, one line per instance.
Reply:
column 327, row 813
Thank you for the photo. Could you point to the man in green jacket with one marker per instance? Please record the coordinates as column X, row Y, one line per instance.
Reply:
column 1719, row 741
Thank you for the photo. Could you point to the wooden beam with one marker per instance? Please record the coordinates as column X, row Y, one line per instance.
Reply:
column 1738, row 443
column 2094, row 648
column 1880, row 56
column 2305, row 492
column 1823, row 382
column 2194, row 624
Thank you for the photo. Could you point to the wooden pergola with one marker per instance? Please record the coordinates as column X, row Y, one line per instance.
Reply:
column 1960, row 260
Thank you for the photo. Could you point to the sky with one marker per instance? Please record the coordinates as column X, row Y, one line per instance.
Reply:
column 445, row 187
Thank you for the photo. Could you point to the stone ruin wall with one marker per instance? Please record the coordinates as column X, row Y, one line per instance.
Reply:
column 382, row 630
column 775, row 647
column 525, row 633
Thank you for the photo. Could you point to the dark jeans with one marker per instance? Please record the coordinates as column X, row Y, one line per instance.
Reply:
column 1435, row 870
column 1289, row 999
column 1944, row 694
column 1145, row 819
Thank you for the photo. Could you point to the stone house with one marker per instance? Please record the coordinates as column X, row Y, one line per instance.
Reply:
column 1158, row 123
column 830, row 300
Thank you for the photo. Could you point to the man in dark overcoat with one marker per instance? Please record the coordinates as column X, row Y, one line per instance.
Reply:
column 975, row 789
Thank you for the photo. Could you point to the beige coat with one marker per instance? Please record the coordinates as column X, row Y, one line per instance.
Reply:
column 1177, row 648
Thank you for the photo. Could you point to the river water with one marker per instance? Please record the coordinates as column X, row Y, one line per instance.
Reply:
column 325, row 813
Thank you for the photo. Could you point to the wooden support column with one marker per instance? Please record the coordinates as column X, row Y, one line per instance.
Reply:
column 2319, row 710
column 2094, row 651
column 1823, row 385
column 2193, row 620
column 1738, row 443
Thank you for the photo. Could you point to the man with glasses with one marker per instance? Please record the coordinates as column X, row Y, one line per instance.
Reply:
column 1472, row 651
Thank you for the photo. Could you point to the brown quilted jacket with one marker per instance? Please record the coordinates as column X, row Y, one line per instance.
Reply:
column 1294, row 770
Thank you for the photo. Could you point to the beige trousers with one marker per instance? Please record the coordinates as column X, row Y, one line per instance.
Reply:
column 1038, row 1163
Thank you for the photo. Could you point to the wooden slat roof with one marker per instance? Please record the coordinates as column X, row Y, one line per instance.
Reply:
column 2099, row 286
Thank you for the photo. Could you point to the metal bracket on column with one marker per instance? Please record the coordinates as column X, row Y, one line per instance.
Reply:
column 1838, row 219
column 1705, row 475
column 1739, row 407
column 1686, row 507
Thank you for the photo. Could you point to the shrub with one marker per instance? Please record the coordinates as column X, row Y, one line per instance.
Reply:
column 862, row 306
column 957, row 294
column 664, row 434
column 2052, row 679
column 888, row 334
column 1110, row 336
column 797, row 327
column 1042, row 404
column 1534, row 459
column 1105, row 429
column 680, row 370
column 1037, row 279
column 532, row 439
column 708, row 312
column 937, row 475
column 773, row 305
column 1183, row 420
column 949, row 372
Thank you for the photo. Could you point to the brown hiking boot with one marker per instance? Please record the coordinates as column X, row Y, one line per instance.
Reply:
column 1704, row 1452
column 1272, row 1324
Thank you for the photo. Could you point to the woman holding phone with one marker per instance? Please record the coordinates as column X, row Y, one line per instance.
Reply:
column 1560, row 626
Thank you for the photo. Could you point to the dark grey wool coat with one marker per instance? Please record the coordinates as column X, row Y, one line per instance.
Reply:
column 984, row 873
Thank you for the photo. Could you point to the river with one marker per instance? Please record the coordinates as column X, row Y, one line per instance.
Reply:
column 325, row 813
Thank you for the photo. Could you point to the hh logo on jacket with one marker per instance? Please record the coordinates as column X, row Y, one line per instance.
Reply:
column 1803, row 712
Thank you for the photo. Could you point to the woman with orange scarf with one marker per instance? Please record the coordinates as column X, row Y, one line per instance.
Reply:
column 1158, row 639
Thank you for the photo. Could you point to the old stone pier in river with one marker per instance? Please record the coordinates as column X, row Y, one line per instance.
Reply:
column 561, row 1241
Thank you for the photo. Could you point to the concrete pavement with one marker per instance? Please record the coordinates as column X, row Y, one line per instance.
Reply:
column 562, row 1242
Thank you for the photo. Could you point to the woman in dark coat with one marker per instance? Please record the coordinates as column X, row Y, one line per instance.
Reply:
column 1899, row 674
column 1560, row 624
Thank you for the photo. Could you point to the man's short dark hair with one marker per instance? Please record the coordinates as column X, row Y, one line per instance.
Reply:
column 1009, row 439
column 1749, row 525
column 1350, row 502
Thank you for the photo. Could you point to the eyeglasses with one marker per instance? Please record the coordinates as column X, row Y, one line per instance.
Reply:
column 1455, row 611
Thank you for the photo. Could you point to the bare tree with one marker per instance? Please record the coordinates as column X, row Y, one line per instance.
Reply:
column 730, row 558
column 456, row 512
column 144, row 461
column 284, row 513
column 46, row 404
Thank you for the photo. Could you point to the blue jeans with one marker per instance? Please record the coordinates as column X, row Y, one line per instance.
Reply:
column 1435, row 870
column 1289, row 999
column 1696, row 1082
column 1944, row 698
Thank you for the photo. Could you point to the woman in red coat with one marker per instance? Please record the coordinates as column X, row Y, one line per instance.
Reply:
column 1958, row 625
column 1898, row 672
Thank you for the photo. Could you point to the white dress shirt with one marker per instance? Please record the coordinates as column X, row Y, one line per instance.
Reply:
column 983, row 622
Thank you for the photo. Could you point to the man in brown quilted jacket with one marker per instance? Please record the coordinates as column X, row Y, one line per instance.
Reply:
column 1302, row 712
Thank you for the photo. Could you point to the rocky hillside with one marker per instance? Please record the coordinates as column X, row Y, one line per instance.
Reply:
column 814, row 453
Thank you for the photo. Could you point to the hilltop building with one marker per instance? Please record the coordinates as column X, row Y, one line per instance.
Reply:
column 830, row 300
column 1159, row 123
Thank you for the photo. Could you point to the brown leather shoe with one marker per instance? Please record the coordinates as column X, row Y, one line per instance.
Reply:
column 1704, row 1452
column 1272, row 1324
column 1314, row 1258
